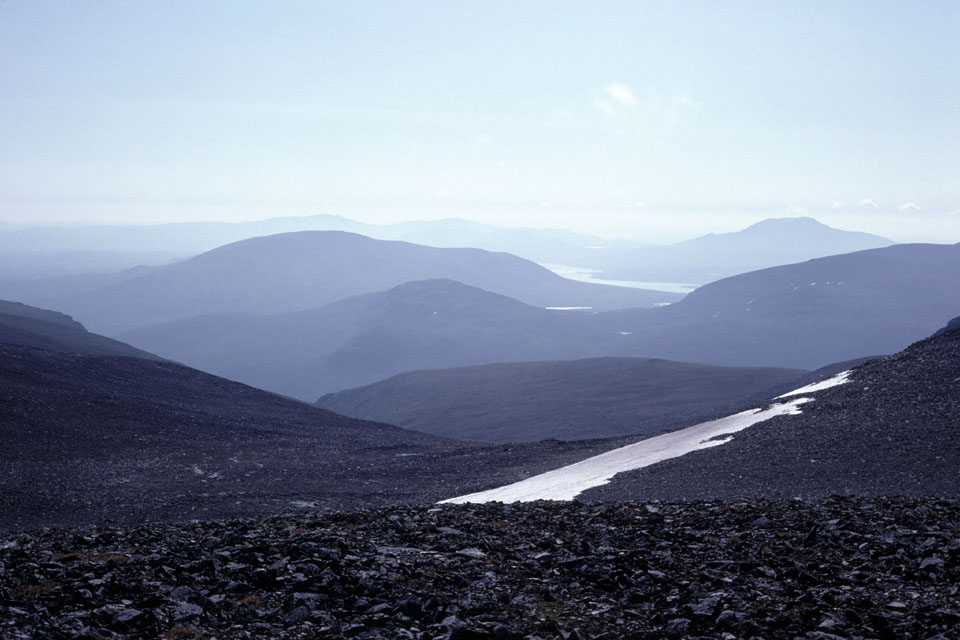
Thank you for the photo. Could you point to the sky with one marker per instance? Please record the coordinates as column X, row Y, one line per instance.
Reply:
column 652, row 120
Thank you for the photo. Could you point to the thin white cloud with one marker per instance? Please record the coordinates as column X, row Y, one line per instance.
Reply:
column 622, row 94
column 604, row 106
column 909, row 206
column 443, row 193
column 836, row 204
column 866, row 202
column 484, row 139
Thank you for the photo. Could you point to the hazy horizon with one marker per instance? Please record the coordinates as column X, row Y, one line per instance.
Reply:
column 651, row 121
column 676, row 231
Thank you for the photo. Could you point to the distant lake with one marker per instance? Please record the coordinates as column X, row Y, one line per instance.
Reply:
column 583, row 274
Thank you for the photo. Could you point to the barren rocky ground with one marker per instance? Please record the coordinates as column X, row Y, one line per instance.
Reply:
column 894, row 428
column 834, row 568
column 113, row 440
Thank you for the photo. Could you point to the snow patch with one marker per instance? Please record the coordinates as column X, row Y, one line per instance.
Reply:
column 566, row 483
column 841, row 378
column 567, row 308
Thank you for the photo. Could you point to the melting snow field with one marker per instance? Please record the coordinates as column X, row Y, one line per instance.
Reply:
column 568, row 482
column 840, row 378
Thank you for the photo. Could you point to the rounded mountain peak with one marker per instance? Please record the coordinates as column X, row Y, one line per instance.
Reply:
column 792, row 224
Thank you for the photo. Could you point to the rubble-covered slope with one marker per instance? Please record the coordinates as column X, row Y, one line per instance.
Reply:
column 893, row 429
column 838, row 568
column 93, row 439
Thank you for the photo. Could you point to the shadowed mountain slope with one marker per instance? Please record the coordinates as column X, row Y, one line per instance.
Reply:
column 86, row 438
column 295, row 271
column 953, row 325
column 24, row 325
column 96, row 439
column 771, row 242
column 533, row 401
column 893, row 429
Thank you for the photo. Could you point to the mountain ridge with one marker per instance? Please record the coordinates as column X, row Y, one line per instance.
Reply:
column 807, row 314
column 417, row 325
column 302, row 270
column 567, row 400
column 767, row 243
column 770, row 318
column 25, row 325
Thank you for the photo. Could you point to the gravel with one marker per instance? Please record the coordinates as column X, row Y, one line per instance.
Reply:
column 838, row 567
column 894, row 428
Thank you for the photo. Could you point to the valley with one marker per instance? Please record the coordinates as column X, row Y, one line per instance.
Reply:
column 438, row 395
column 479, row 320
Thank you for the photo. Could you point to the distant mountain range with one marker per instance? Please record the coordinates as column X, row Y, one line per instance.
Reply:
column 303, row 270
column 188, row 238
column 52, row 251
column 807, row 314
column 418, row 325
column 531, row 401
column 771, row 242
column 59, row 250
column 800, row 316
column 25, row 264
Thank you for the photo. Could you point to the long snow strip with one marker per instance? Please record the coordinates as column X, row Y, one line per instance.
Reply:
column 568, row 482
column 840, row 378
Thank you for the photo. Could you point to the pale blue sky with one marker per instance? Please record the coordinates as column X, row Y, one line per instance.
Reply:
column 643, row 118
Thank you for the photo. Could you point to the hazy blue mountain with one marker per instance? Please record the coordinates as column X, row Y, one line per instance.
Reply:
column 801, row 316
column 557, row 246
column 577, row 399
column 25, row 264
column 28, row 326
column 59, row 250
column 51, row 251
column 418, row 325
column 176, row 237
column 303, row 270
column 771, row 242
column 807, row 314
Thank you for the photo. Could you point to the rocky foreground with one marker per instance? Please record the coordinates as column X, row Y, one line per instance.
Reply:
column 834, row 568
